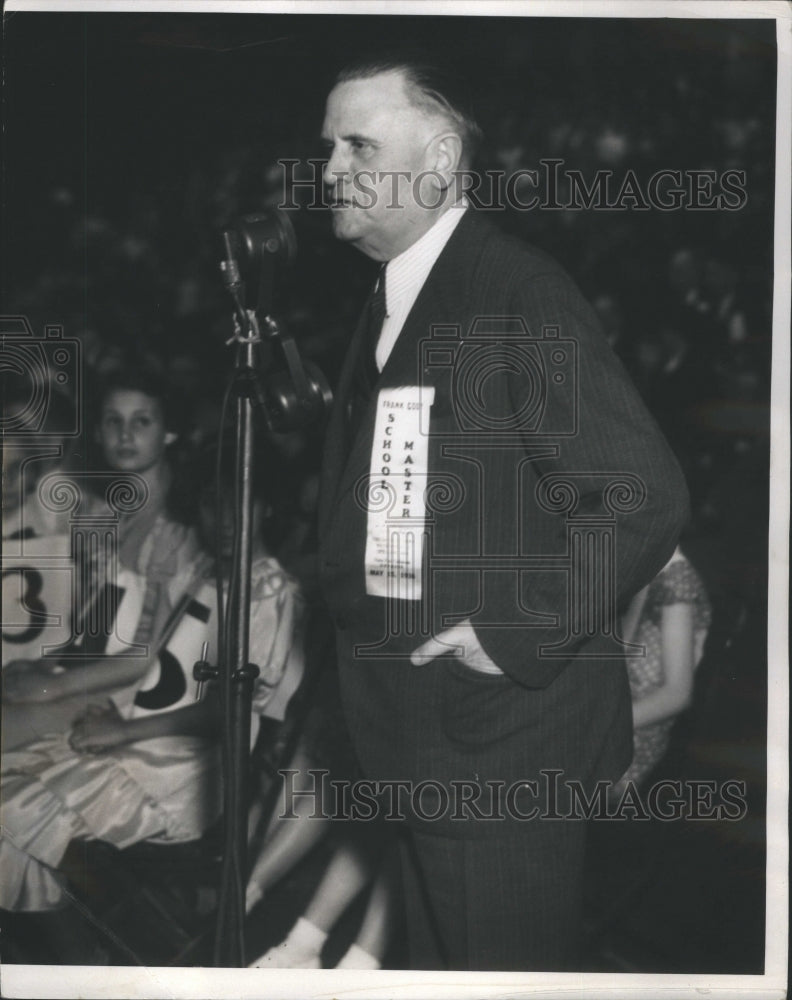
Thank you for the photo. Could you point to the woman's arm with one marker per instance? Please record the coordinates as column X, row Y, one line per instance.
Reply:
column 39, row 681
column 198, row 719
column 102, row 727
column 676, row 629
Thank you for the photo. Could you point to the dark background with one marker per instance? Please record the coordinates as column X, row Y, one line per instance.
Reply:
column 132, row 138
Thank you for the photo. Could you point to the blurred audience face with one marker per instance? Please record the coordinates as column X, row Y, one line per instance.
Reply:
column 207, row 524
column 648, row 355
column 132, row 432
column 109, row 360
column 185, row 373
column 609, row 313
column 684, row 271
column 372, row 130
column 719, row 279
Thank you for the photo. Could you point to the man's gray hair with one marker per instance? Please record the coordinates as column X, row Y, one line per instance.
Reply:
column 431, row 87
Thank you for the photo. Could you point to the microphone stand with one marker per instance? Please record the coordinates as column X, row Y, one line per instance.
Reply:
column 295, row 400
column 239, row 675
column 235, row 673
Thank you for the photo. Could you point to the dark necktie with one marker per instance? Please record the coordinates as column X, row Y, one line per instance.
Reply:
column 376, row 317
column 366, row 371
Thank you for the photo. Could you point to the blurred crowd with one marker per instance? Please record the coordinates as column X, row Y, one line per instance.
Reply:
column 684, row 297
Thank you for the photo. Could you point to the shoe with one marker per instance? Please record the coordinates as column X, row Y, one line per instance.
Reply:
column 287, row 956
column 357, row 958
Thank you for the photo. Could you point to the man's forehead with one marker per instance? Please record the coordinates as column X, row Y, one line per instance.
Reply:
column 385, row 92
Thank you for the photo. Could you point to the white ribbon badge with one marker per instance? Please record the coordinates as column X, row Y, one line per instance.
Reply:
column 397, row 481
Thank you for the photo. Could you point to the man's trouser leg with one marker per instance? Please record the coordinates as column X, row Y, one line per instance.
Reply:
column 505, row 902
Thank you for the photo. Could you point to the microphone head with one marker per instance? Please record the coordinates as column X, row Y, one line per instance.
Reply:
column 263, row 234
column 288, row 411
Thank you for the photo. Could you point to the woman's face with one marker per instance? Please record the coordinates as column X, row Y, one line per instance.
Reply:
column 132, row 431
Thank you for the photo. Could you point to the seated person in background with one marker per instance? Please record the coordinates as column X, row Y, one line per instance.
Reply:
column 364, row 856
column 301, row 817
column 276, row 604
column 136, row 427
column 27, row 459
column 145, row 765
column 670, row 617
column 38, row 571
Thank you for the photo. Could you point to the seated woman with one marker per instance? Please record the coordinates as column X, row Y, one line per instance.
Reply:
column 146, row 764
column 158, row 553
column 27, row 460
column 670, row 617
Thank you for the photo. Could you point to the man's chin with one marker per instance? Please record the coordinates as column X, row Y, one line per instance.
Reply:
column 344, row 227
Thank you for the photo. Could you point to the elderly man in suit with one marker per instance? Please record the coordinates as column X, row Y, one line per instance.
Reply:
column 493, row 492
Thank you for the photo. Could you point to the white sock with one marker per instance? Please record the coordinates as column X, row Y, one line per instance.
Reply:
column 358, row 958
column 300, row 950
column 304, row 934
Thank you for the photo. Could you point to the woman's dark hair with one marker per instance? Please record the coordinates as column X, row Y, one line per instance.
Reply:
column 153, row 384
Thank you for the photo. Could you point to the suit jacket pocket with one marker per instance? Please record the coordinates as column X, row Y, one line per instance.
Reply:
column 481, row 709
column 462, row 670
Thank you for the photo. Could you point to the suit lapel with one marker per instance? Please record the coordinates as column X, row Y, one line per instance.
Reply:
column 335, row 457
column 440, row 301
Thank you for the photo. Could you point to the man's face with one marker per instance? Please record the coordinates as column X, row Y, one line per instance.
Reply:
column 372, row 131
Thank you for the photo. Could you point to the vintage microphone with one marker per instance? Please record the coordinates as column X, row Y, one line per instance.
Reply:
column 288, row 399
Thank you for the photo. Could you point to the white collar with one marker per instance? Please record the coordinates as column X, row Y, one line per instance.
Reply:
column 408, row 271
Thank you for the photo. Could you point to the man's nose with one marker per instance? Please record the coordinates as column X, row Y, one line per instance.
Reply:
column 335, row 169
column 126, row 432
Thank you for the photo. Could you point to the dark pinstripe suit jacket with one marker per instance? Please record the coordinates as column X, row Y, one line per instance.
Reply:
column 516, row 472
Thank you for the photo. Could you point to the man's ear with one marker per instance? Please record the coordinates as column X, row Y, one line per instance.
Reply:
column 446, row 154
column 170, row 437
